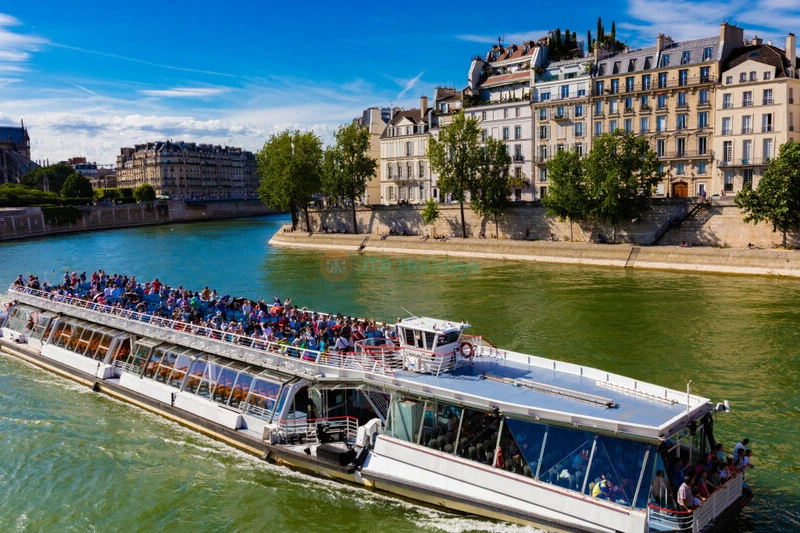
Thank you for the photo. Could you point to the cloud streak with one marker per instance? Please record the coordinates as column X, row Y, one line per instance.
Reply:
column 507, row 38
column 184, row 92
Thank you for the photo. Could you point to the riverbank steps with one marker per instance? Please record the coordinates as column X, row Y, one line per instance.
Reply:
column 24, row 222
column 687, row 259
column 714, row 222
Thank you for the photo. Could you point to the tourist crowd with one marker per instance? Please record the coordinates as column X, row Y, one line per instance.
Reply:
column 276, row 323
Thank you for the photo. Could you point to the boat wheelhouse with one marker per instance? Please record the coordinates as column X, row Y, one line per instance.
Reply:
column 433, row 414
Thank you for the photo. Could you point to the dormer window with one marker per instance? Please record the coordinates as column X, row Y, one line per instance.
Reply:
column 648, row 63
column 631, row 65
column 665, row 60
column 707, row 53
column 616, row 68
column 686, row 57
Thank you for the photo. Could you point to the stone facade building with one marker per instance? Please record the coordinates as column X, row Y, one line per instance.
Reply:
column 15, row 153
column 665, row 93
column 757, row 110
column 189, row 170
column 560, row 102
column 374, row 119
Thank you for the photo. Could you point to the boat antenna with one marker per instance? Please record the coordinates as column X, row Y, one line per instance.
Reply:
column 410, row 314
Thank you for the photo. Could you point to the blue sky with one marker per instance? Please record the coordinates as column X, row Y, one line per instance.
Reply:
column 90, row 77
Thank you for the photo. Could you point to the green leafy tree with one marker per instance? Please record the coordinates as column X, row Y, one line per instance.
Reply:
column 430, row 213
column 17, row 195
column 567, row 196
column 621, row 172
column 50, row 178
column 290, row 170
column 776, row 200
column 145, row 193
column 455, row 157
column 76, row 186
column 348, row 167
column 491, row 190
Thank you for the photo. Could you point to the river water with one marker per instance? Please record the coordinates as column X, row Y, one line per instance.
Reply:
column 75, row 461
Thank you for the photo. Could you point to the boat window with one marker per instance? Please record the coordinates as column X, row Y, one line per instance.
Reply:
column 430, row 338
column 44, row 323
column 151, row 370
column 75, row 338
column 85, row 341
column 241, row 388
column 135, row 362
column 440, row 426
column 222, row 391
column 283, row 398
column 528, row 438
column 196, row 373
column 122, row 351
column 478, row 437
column 618, row 462
column 566, row 455
column 409, row 336
column 62, row 334
column 98, row 346
column 643, row 497
column 509, row 455
column 18, row 318
column 261, row 400
column 179, row 369
column 209, row 380
column 448, row 337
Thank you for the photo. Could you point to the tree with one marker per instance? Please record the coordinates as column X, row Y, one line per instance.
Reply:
column 50, row 178
column 17, row 195
column 290, row 168
column 76, row 186
column 567, row 195
column 776, row 200
column 454, row 157
column 145, row 193
column 348, row 167
column 430, row 213
column 490, row 193
column 621, row 172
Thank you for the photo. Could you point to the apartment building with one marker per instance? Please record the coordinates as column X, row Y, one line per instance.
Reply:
column 560, row 103
column 757, row 110
column 498, row 96
column 666, row 94
column 405, row 171
column 188, row 170
column 374, row 119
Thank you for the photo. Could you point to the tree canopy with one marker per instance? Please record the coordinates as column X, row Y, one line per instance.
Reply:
column 455, row 157
column 621, row 172
column 17, row 195
column 76, row 186
column 430, row 213
column 491, row 190
column 145, row 193
column 290, row 171
column 776, row 199
column 348, row 167
column 567, row 194
column 52, row 175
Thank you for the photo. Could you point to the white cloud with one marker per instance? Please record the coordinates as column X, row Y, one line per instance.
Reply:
column 507, row 38
column 184, row 92
column 410, row 84
column 14, row 46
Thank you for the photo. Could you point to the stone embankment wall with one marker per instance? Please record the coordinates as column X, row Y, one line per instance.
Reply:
column 719, row 223
column 19, row 223
column 521, row 221
column 691, row 259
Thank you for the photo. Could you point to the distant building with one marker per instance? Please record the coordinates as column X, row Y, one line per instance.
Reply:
column 188, row 170
column 757, row 111
column 15, row 153
column 375, row 119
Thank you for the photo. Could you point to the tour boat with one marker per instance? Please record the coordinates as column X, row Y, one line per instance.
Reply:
column 435, row 415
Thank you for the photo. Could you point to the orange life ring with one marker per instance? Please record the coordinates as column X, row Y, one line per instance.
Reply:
column 467, row 350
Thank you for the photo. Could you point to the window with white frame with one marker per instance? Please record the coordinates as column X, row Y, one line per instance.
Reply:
column 726, row 126
column 727, row 151
column 767, row 150
column 766, row 123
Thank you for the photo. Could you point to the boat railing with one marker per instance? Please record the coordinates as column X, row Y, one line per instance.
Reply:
column 482, row 347
column 361, row 361
column 662, row 519
column 309, row 430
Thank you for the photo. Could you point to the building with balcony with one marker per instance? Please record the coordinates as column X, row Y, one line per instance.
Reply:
column 498, row 95
column 757, row 109
column 15, row 153
column 405, row 171
column 666, row 93
column 560, row 103
column 188, row 170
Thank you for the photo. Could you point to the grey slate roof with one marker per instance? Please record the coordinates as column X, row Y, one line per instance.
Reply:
column 763, row 53
column 695, row 47
column 12, row 133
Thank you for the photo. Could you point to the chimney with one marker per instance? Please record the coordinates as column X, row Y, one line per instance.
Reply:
column 596, row 52
column 660, row 43
column 730, row 38
column 423, row 106
column 791, row 52
column 756, row 41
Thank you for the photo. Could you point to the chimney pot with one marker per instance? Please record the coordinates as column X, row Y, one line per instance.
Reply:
column 423, row 106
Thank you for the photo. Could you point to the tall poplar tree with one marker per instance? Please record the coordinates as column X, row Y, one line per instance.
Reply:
column 348, row 166
column 290, row 171
column 455, row 157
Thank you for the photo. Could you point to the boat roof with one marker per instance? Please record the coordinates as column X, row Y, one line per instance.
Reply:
column 435, row 325
column 553, row 391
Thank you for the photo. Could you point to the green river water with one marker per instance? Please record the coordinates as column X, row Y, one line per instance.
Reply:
column 75, row 461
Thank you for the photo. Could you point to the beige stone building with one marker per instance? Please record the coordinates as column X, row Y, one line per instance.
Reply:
column 560, row 103
column 757, row 110
column 405, row 171
column 188, row 170
column 374, row 119
column 665, row 93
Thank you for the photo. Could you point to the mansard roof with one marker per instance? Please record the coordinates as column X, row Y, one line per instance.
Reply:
column 645, row 59
column 761, row 53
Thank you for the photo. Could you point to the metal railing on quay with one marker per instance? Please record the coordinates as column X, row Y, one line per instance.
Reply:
column 363, row 362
